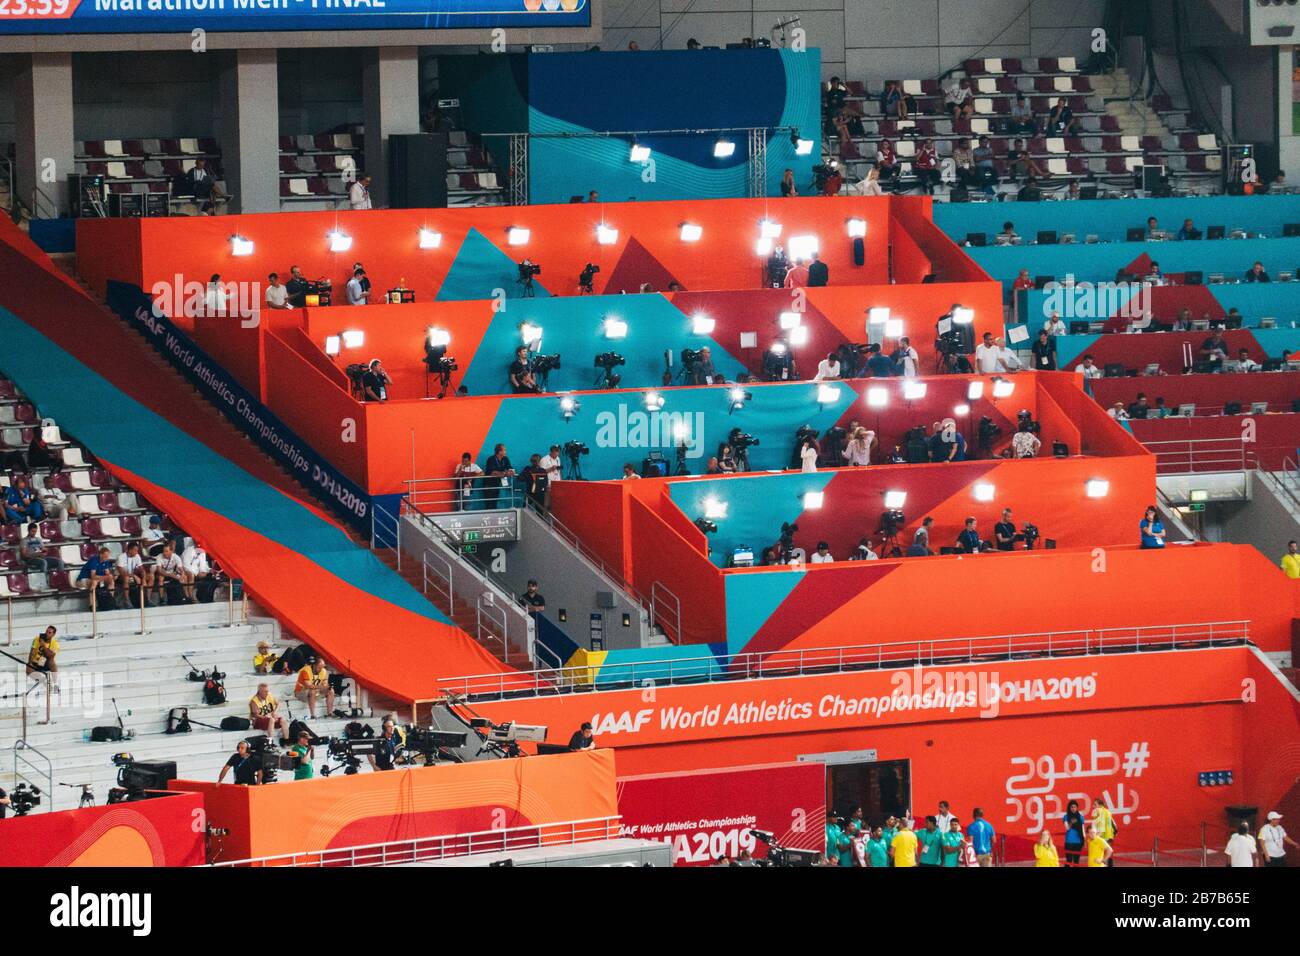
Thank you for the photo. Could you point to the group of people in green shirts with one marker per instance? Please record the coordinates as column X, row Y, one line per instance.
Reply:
column 941, row 842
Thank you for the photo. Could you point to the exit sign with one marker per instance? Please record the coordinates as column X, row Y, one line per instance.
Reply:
column 1196, row 506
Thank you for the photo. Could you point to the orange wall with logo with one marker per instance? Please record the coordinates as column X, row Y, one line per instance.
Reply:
column 366, row 808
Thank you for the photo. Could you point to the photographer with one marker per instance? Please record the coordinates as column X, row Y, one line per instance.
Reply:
column 314, row 680
column 303, row 753
column 264, row 713
column 704, row 372
column 45, row 648
column 248, row 769
column 388, row 745
column 375, row 382
column 968, row 541
column 1024, row 443
column 521, row 374
column 1004, row 532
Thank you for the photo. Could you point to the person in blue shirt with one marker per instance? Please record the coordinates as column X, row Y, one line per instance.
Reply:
column 99, row 572
column 981, row 836
column 1152, row 530
column 930, row 843
column 969, row 539
column 880, row 365
column 21, row 504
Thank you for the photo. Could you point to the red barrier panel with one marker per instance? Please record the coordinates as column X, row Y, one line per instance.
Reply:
column 706, row 814
column 910, row 264
column 661, row 556
column 163, row 831
column 1208, row 392
column 1235, row 441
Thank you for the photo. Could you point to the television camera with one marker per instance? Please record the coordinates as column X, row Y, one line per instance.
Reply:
column 785, row 543
column 586, row 276
column 23, row 798
column 689, row 358
column 1029, row 534
column 1025, row 418
column 740, row 442
column 438, row 362
column 573, row 451
column 892, row 521
column 833, row 442
column 803, row 434
column 356, row 373
column 778, row 855
column 607, row 362
column 852, row 356
column 542, row 366
column 527, row 270
column 985, row 432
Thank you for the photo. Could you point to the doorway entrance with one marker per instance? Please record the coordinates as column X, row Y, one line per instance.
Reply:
column 881, row 789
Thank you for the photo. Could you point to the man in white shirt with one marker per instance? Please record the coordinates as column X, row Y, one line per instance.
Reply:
column 58, row 506
column 864, row 552
column 907, row 358
column 1088, row 368
column 828, row 368
column 131, row 570
column 552, row 465
column 152, row 538
column 1245, row 363
column 214, row 297
column 1010, row 361
column 195, row 560
column 468, row 471
column 1054, row 325
column 1273, row 841
column 988, row 359
column 629, row 472
column 1241, row 849
column 170, row 568
column 822, row 555
column 359, row 193
column 358, row 294
column 277, row 296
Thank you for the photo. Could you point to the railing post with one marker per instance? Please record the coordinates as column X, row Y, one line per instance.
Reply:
column 9, row 614
column 230, row 603
column 94, row 609
column 141, row 606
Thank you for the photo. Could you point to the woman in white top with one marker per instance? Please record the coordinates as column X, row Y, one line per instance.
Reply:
column 808, row 455
column 871, row 185
column 858, row 449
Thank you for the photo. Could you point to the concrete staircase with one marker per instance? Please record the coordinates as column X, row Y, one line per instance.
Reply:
column 1135, row 117
column 146, row 674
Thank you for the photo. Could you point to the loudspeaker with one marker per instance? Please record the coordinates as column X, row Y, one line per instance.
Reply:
column 417, row 171
column 859, row 251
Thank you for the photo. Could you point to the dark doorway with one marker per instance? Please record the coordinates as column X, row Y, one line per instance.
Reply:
column 881, row 789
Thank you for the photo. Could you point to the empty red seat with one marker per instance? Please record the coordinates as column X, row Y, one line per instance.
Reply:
column 1116, row 164
column 287, row 144
column 208, row 145
column 101, row 478
column 1077, row 165
column 1196, row 163
column 318, row 186
column 1012, row 66
column 468, row 181
column 8, row 560
column 60, row 581
column 133, row 147
column 131, row 526
column 24, row 412
column 95, row 147
column 324, row 140
column 1047, row 64
column 288, row 164
column 108, row 503
column 1161, row 103
column 90, row 527
column 10, row 533
column 1044, row 84
column 51, row 531
column 18, row 584
column 7, row 388
column 1074, row 144
column 856, row 88
column 1111, row 144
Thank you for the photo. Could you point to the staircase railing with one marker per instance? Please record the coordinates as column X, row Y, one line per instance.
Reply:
column 1287, row 481
column 24, row 765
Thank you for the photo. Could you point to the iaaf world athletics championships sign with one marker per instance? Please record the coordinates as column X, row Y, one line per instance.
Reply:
column 18, row 17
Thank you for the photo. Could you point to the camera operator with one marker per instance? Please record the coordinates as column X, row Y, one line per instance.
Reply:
column 521, row 373
column 704, row 372
column 303, row 753
column 375, row 382
column 943, row 443
column 920, row 547
column 778, row 363
column 248, row 769
column 387, row 746
column 968, row 541
column 5, row 803
column 881, row 365
column 1024, row 443
column 1004, row 532
column 582, row 738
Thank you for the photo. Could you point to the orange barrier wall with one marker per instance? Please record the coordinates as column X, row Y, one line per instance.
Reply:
column 156, row 832
column 343, row 811
column 562, row 240
column 909, row 263
column 1112, row 726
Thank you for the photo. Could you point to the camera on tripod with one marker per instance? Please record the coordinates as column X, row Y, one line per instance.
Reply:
column 356, row 372
column 23, row 798
column 986, row 430
column 545, row 364
column 1029, row 534
column 528, row 269
column 437, row 361
column 586, row 275
column 610, row 361
column 575, row 448
column 269, row 756
column 892, row 522
column 739, row 440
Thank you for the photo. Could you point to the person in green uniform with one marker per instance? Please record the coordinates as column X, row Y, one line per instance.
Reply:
column 878, row 848
column 931, row 843
column 952, row 844
column 303, row 751
column 834, row 839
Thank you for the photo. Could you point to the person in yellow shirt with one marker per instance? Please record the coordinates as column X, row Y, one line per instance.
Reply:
column 264, row 712
column 1099, row 851
column 1045, row 851
column 1291, row 560
column 314, row 680
column 903, row 848
column 1104, row 821
column 41, row 659
column 264, row 660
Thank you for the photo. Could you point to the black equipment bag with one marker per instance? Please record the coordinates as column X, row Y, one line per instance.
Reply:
column 294, row 659
column 356, row 730
column 178, row 720
column 296, row 727
column 235, row 723
column 99, row 734
column 214, row 692
column 206, row 589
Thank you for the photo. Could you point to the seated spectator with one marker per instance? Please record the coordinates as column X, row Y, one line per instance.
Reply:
column 169, row 575
column 1023, row 164
column 1246, row 363
column 1160, row 410
column 1089, row 368
column 1022, row 117
column 313, row 682
column 204, row 187
column 1139, row 408
column 42, row 658
column 41, row 455
column 1009, row 234
column 964, row 161
column 1118, row 412
column 1023, row 283
column 959, row 99
column 36, row 555
column 1061, row 121
column 197, row 567
column 847, row 126
column 822, row 555
column 264, row 713
column 1215, row 348
column 892, row 101
column 864, row 552
column 98, row 573
column 1054, row 325
column 152, row 538
column 264, row 661
column 887, row 160
column 1153, row 228
column 986, row 172
column 58, row 505
column 375, row 382
column 1029, row 192
column 926, row 165
column 21, row 503
column 1189, row 231
column 1256, row 273
column 726, row 460
column 835, row 95
column 133, row 572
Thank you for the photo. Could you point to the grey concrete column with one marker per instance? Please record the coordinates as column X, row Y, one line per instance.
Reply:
column 44, row 139
column 250, row 130
column 390, row 94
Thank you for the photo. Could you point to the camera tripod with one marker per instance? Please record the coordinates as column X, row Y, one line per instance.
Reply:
column 574, row 470
column 681, row 468
column 527, row 282
column 444, row 382
column 890, row 546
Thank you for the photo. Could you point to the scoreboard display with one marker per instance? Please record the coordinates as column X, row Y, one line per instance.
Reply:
column 66, row 17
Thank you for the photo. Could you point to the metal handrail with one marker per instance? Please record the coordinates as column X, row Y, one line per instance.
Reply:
column 426, row 568
column 424, row 849
column 12, row 622
column 483, row 610
column 823, row 660
column 661, row 596
column 1202, row 454
column 20, row 748
column 1288, row 481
